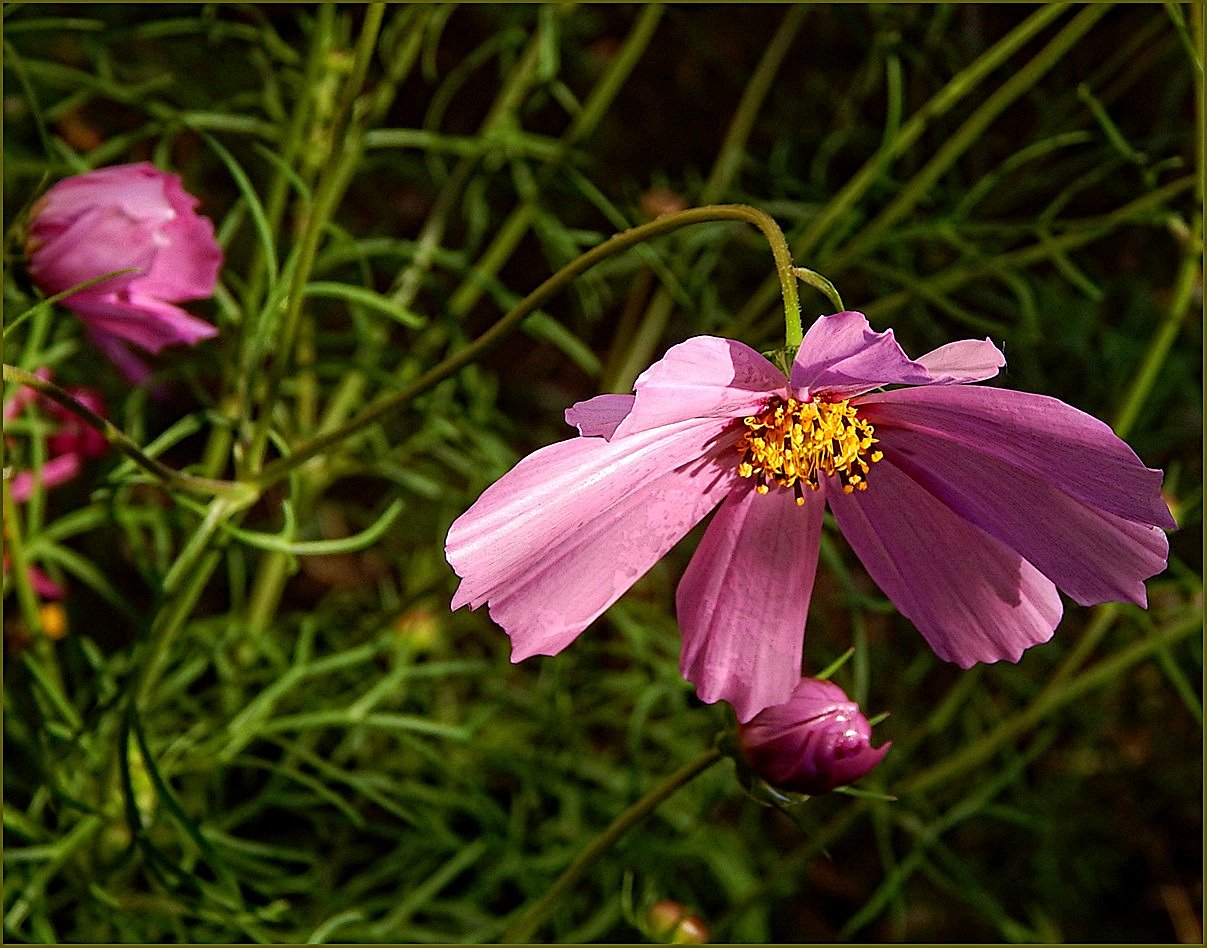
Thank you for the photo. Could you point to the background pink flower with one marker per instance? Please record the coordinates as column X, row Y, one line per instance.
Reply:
column 968, row 506
column 72, row 442
column 119, row 217
column 815, row 741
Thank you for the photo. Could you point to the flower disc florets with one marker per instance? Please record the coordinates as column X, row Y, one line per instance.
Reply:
column 792, row 443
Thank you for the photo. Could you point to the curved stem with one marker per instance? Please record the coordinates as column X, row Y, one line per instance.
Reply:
column 819, row 282
column 277, row 469
column 119, row 440
column 521, row 930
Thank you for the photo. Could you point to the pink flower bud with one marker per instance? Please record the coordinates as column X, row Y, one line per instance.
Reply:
column 113, row 219
column 815, row 741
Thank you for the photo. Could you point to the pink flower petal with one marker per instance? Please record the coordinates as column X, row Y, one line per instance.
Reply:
column 136, row 188
column 842, row 356
column 135, row 370
column 973, row 599
column 101, row 240
column 704, row 377
column 969, row 360
column 570, row 528
column 44, row 586
column 1091, row 555
column 54, row 472
column 186, row 267
column 1040, row 436
column 598, row 417
column 743, row 601
column 147, row 323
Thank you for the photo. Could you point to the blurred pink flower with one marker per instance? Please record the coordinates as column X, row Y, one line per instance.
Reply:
column 43, row 586
column 126, row 216
column 815, row 741
column 72, row 442
column 969, row 506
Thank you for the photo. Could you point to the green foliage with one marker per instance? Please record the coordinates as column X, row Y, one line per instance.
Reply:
column 262, row 722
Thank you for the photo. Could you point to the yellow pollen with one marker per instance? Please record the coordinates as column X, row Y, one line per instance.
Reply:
column 790, row 444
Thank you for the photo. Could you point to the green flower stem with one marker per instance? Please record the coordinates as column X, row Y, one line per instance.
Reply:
column 326, row 197
column 1189, row 276
column 43, row 665
column 1082, row 233
column 1049, row 701
column 170, row 619
column 118, row 440
column 274, row 570
column 960, row 85
column 969, row 133
column 733, row 148
column 277, row 469
column 512, row 231
column 14, row 546
column 521, row 930
column 624, row 365
column 183, row 587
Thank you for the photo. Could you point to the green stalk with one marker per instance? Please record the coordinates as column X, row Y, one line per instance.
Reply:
column 518, row 223
column 521, row 930
column 274, row 569
column 117, row 439
column 277, row 469
column 1189, row 277
column 969, row 133
column 508, row 101
column 1079, row 234
column 325, row 200
column 639, row 347
column 1049, row 701
column 959, row 86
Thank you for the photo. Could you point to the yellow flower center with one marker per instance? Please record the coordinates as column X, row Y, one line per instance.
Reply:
column 791, row 444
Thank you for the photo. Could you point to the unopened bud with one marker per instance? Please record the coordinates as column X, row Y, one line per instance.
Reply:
column 672, row 923
column 815, row 741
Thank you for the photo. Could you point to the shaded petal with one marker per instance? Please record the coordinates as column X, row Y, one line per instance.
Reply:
column 743, row 600
column 598, row 417
column 969, row 360
column 1091, row 555
column 186, row 268
column 841, row 356
column 1037, row 435
column 570, row 528
column 44, row 586
column 99, row 241
column 704, row 377
column 135, row 370
column 973, row 599
column 150, row 324
column 54, row 472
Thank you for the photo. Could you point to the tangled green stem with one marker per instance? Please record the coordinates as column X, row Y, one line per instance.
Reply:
column 277, row 469
column 172, row 478
column 529, row 920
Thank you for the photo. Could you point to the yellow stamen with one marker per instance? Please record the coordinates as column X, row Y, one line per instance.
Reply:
column 791, row 443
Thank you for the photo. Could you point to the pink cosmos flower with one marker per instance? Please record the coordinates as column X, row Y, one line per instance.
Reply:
column 968, row 506
column 126, row 216
column 72, row 442
column 815, row 741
